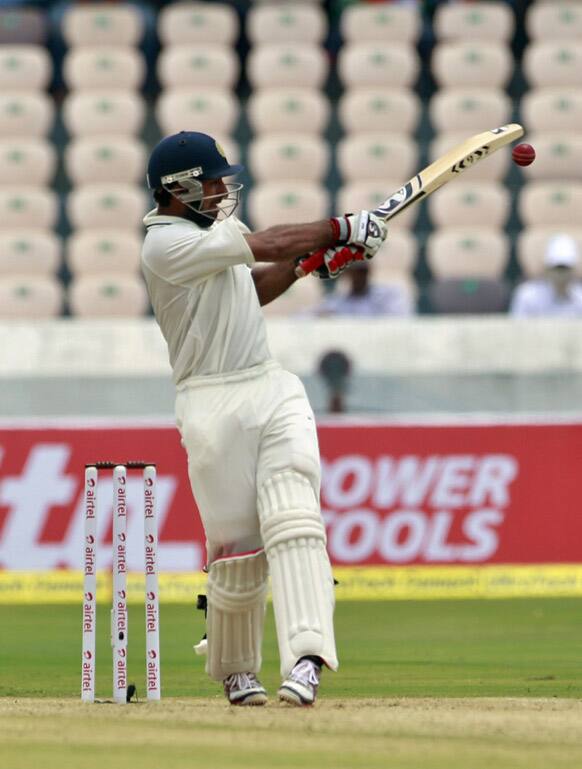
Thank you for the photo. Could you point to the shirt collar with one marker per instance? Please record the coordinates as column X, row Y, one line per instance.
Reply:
column 152, row 217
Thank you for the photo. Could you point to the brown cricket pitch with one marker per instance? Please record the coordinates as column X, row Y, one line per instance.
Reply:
column 181, row 733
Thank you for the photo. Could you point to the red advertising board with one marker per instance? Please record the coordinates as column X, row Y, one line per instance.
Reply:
column 391, row 493
column 496, row 493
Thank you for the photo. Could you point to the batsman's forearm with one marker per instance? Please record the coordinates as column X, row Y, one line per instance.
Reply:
column 273, row 280
column 287, row 241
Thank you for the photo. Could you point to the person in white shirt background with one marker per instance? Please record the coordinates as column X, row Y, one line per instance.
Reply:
column 246, row 424
column 558, row 293
column 360, row 296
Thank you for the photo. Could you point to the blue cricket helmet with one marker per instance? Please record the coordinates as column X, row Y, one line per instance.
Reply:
column 191, row 152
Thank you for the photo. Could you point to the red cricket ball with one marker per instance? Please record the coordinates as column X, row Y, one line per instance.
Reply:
column 523, row 154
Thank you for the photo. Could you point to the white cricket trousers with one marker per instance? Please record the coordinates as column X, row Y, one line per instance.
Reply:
column 239, row 430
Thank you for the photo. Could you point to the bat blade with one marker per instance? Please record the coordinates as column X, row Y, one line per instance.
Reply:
column 449, row 166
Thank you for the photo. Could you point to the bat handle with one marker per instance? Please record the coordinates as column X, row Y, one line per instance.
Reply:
column 312, row 262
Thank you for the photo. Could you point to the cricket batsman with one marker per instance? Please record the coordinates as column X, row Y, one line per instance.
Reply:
column 246, row 424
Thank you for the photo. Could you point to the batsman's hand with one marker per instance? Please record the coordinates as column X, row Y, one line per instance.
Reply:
column 364, row 230
column 334, row 261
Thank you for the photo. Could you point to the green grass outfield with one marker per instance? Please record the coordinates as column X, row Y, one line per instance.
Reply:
column 389, row 706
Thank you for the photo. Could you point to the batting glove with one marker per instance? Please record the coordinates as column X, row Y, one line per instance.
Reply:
column 364, row 230
column 336, row 259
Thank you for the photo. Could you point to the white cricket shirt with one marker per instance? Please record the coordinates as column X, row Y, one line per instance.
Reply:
column 381, row 299
column 538, row 298
column 203, row 295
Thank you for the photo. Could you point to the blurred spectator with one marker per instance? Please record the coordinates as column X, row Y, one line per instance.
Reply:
column 363, row 297
column 558, row 293
column 335, row 368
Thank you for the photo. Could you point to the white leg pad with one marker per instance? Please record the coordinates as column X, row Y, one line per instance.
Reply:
column 237, row 593
column 301, row 580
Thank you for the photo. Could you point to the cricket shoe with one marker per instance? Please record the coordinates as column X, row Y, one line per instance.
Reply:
column 244, row 689
column 300, row 688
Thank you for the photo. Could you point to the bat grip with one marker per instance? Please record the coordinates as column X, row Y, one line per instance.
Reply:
column 312, row 262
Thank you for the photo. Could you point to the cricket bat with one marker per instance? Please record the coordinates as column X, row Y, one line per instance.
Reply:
column 458, row 159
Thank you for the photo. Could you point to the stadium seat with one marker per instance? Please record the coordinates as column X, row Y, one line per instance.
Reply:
column 379, row 109
column 552, row 109
column 287, row 65
column 94, row 159
column 187, row 23
column 377, row 155
column 27, row 297
column 111, row 296
column 369, row 195
column 205, row 66
column 288, row 156
column 532, row 243
column 469, row 296
column 467, row 252
column 494, row 169
column 24, row 68
column 299, row 298
column 492, row 20
column 472, row 64
column 553, row 63
column 23, row 207
column 559, row 156
column 384, row 23
column 104, row 68
column 27, row 161
column 20, row 26
column 113, row 205
column 116, row 24
column 472, row 203
column 286, row 23
column 550, row 204
column 209, row 110
column 98, row 251
column 99, row 113
column 288, row 110
column 29, row 252
column 469, row 109
column 397, row 255
column 554, row 21
column 286, row 202
column 380, row 65
column 26, row 114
